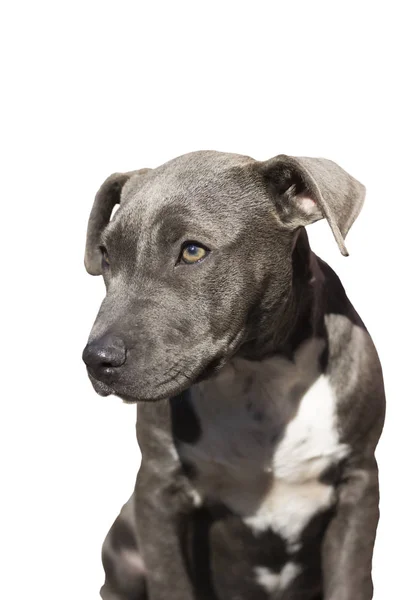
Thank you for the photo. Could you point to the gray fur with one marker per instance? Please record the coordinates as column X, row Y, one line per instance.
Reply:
column 239, row 350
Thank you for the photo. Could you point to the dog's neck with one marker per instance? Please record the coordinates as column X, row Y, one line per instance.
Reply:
column 300, row 317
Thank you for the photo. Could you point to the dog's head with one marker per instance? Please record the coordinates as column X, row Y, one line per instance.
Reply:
column 195, row 250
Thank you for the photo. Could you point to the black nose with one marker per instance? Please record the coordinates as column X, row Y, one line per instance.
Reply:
column 104, row 355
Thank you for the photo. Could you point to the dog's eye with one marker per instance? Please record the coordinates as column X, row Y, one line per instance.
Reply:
column 193, row 253
column 105, row 258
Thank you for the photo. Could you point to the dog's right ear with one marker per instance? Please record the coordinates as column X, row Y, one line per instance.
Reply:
column 106, row 198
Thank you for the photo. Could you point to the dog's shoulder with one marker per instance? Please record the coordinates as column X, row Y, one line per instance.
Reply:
column 353, row 364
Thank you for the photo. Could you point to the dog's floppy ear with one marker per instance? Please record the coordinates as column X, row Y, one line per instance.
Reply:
column 106, row 198
column 305, row 190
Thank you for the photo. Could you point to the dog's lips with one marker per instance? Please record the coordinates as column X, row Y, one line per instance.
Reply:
column 99, row 387
column 130, row 397
column 105, row 390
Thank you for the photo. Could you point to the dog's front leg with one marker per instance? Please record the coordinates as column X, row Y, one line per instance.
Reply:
column 160, row 509
column 349, row 540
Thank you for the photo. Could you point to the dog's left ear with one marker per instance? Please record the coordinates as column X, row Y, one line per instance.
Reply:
column 305, row 190
column 106, row 198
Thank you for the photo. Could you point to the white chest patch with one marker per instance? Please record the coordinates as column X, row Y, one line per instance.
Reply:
column 269, row 431
column 309, row 446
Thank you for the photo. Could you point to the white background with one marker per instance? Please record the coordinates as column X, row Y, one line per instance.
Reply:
column 90, row 88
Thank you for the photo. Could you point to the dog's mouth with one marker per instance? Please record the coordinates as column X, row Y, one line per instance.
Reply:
column 100, row 387
column 133, row 398
column 166, row 389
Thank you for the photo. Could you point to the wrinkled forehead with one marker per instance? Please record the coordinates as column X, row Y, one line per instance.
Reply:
column 197, row 195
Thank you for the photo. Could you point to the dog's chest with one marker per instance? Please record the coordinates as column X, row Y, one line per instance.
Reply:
column 266, row 434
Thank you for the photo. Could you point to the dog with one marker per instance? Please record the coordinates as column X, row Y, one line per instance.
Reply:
column 260, row 397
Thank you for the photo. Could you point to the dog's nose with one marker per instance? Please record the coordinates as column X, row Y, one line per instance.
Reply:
column 104, row 356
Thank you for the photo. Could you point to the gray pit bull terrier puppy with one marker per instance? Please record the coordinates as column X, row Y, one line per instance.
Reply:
column 259, row 390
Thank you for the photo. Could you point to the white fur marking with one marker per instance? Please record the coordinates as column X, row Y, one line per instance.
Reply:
column 311, row 440
column 288, row 508
column 273, row 582
column 195, row 496
column 173, row 452
column 310, row 445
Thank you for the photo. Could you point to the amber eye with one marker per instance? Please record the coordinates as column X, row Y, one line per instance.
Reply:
column 193, row 253
column 105, row 258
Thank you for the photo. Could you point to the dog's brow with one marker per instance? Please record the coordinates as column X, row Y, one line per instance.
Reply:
column 172, row 227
